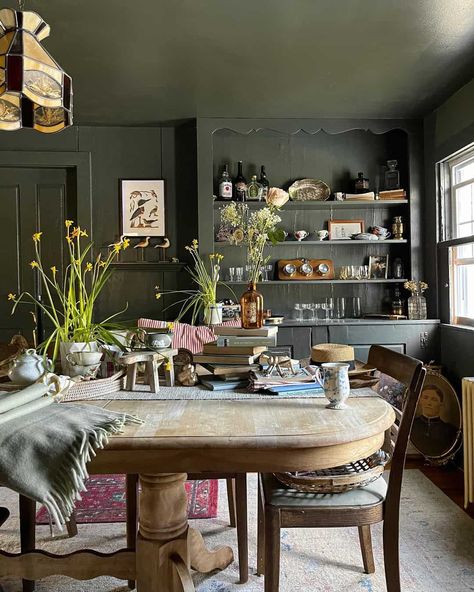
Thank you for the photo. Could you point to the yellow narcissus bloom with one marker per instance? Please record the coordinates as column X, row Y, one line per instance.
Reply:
column 219, row 257
column 168, row 366
column 157, row 295
column 117, row 247
column 68, row 223
column 170, row 326
column 76, row 232
column 54, row 269
column 37, row 237
column 83, row 233
column 34, row 264
column 68, row 238
column 126, row 243
column 102, row 264
column 195, row 244
column 11, row 296
column 89, row 266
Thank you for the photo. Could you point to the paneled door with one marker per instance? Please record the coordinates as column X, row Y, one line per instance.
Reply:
column 31, row 200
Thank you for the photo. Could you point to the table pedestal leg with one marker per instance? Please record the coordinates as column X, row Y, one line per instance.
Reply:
column 166, row 547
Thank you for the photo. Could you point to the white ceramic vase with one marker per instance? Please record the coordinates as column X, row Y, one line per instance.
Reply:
column 213, row 314
column 334, row 378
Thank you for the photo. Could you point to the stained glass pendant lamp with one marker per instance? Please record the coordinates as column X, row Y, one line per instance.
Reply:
column 34, row 91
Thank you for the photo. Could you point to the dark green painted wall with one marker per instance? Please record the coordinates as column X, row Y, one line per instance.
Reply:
column 134, row 153
column 447, row 130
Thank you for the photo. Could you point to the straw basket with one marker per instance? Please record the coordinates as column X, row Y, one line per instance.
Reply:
column 95, row 389
column 338, row 479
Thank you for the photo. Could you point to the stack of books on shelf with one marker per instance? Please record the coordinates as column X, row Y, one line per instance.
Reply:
column 226, row 363
column 393, row 194
column 367, row 196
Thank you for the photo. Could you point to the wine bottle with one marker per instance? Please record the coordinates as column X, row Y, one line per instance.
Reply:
column 361, row 184
column 264, row 182
column 254, row 190
column 225, row 185
column 240, row 185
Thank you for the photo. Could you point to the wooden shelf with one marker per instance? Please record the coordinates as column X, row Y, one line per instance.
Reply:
column 275, row 282
column 323, row 243
column 325, row 205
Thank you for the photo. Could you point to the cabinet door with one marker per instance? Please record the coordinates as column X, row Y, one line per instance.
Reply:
column 299, row 338
column 418, row 340
column 361, row 352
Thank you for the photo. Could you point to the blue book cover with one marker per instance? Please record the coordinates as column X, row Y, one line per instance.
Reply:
column 223, row 385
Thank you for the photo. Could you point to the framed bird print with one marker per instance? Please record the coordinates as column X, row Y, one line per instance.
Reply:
column 142, row 207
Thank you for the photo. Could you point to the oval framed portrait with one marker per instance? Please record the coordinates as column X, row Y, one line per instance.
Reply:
column 436, row 431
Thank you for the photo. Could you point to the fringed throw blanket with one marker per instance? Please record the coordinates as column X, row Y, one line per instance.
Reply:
column 44, row 448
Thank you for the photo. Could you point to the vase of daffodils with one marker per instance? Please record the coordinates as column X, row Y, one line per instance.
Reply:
column 417, row 310
column 69, row 297
column 202, row 300
column 254, row 230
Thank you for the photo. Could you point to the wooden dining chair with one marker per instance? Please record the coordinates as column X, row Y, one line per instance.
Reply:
column 281, row 507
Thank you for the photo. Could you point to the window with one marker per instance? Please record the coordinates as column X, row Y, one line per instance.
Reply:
column 457, row 232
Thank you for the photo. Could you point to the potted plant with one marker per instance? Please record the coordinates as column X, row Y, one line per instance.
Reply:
column 203, row 300
column 254, row 230
column 69, row 301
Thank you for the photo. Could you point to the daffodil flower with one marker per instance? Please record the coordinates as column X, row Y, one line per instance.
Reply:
column 54, row 269
column 68, row 223
column 157, row 295
column 37, row 236
column 126, row 243
column 170, row 326
column 168, row 366
column 75, row 232
column 117, row 247
column 34, row 264
column 89, row 266
column 102, row 264
column 83, row 233
column 11, row 296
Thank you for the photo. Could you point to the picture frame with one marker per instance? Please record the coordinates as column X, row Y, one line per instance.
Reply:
column 378, row 267
column 344, row 229
column 142, row 207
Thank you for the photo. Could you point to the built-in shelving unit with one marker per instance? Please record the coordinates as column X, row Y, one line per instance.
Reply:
column 321, row 282
column 334, row 151
column 326, row 205
column 326, row 243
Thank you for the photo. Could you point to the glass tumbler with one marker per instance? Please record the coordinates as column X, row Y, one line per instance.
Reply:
column 356, row 311
column 340, row 312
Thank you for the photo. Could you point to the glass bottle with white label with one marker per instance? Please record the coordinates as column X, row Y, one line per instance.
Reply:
column 225, row 185
column 254, row 190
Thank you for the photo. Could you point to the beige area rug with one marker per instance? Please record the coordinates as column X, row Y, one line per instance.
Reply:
column 437, row 549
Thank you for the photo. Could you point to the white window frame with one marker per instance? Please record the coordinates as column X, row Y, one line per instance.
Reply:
column 447, row 228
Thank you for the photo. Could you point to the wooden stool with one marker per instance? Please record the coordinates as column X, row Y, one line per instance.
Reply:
column 152, row 361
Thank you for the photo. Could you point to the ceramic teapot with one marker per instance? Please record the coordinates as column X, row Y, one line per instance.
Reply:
column 28, row 367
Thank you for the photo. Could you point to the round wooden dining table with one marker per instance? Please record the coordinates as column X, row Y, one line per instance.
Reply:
column 184, row 436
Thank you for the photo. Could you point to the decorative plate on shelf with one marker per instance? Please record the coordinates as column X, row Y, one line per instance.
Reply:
column 309, row 190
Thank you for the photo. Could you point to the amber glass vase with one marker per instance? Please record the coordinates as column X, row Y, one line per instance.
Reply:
column 251, row 303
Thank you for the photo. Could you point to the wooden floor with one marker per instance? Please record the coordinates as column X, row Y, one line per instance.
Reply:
column 450, row 479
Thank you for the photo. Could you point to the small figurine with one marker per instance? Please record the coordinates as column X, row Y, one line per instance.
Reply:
column 187, row 376
column 143, row 244
column 165, row 244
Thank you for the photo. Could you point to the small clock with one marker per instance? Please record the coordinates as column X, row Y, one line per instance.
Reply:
column 290, row 269
column 306, row 268
column 322, row 269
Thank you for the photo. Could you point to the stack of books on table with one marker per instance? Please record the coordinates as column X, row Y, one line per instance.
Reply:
column 226, row 363
column 302, row 380
column 393, row 194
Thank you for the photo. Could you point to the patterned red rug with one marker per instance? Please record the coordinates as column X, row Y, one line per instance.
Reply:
column 105, row 500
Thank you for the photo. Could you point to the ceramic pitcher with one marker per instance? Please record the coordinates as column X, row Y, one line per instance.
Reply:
column 334, row 378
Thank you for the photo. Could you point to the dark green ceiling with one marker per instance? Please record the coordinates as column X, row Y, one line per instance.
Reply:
column 145, row 61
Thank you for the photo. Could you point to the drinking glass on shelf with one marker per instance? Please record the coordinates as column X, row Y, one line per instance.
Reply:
column 328, row 307
column 355, row 272
column 364, row 272
column 356, row 312
column 340, row 312
column 315, row 307
column 231, row 274
column 298, row 312
column 310, row 311
column 266, row 270
column 239, row 274
column 344, row 272
column 248, row 269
